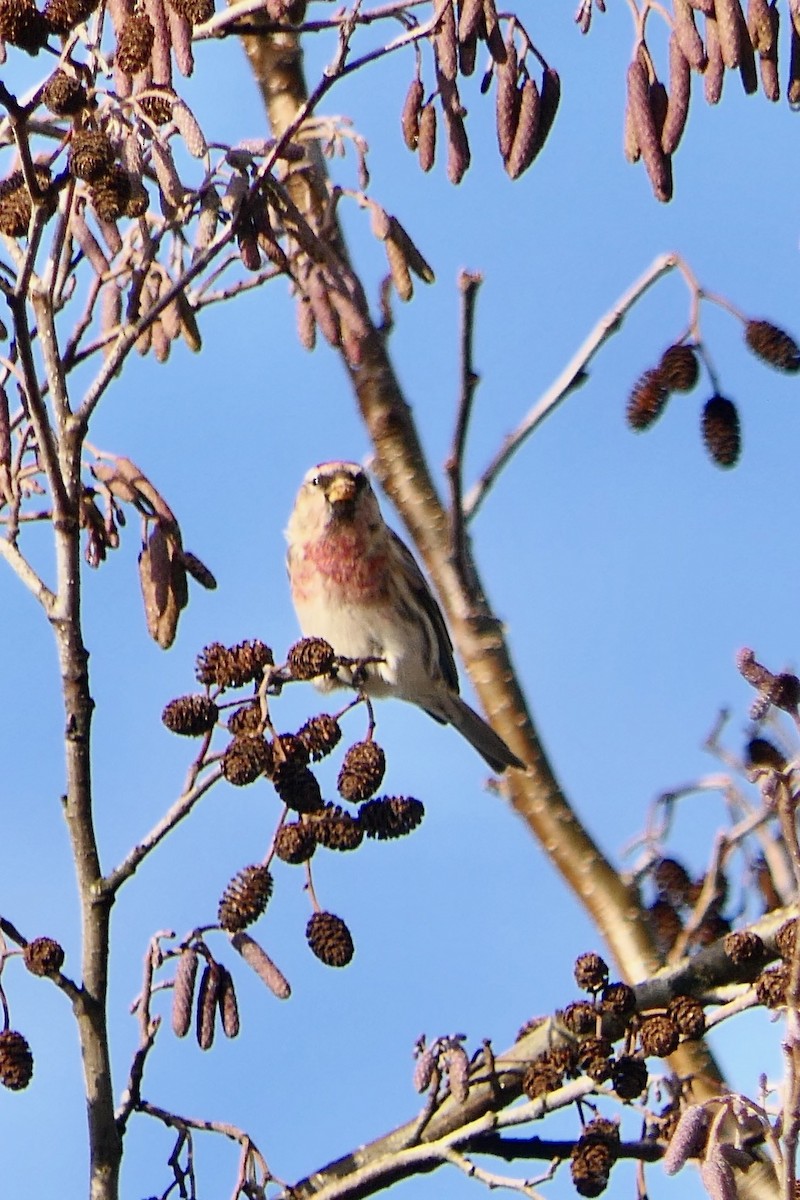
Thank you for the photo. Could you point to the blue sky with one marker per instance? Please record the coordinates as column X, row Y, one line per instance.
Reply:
column 628, row 569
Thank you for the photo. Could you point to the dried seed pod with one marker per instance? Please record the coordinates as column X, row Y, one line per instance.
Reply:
column 362, row 771
column 135, row 43
column 60, row 16
column 580, row 1017
column 390, row 817
column 445, row 44
column 233, row 666
column 246, row 759
column 647, row 400
column 257, row 958
column 714, row 73
column 295, row 842
column 228, row 1007
column 91, row 154
column 310, row 657
column 591, row 972
column 426, row 145
column 507, row 99
column 335, row 829
column 207, row 1005
column 110, row 195
column 647, row 133
column 590, row 1169
column 730, row 23
column 680, row 84
column 320, row 734
column 618, row 998
column 190, row 716
column 659, row 1036
column 629, row 1077
column 21, row 24
column 63, row 94
column 297, row 787
column 183, row 991
column 773, row 345
column 721, row 431
column 686, row 34
column 688, row 1015
column 525, row 143
column 679, row 368
column 786, row 939
column 329, row 939
column 245, row 898
column 16, row 1060
column 43, row 956
column 412, row 108
column 195, row 11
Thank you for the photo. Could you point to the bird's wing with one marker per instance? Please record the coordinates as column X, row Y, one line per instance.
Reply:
column 424, row 596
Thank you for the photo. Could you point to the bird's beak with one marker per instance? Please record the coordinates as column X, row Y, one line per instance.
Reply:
column 341, row 495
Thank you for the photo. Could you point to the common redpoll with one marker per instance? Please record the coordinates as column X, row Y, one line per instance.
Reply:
column 357, row 585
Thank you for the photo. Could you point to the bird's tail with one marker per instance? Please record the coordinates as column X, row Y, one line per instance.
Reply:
column 479, row 734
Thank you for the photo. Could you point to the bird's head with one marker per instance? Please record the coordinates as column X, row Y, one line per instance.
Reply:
column 333, row 493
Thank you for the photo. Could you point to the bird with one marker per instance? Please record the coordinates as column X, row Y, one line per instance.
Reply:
column 357, row 585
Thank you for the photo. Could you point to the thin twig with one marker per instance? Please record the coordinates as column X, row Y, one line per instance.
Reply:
column 468, row 285
column 572, row 377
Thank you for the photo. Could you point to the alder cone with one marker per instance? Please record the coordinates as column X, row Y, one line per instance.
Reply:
column 721, row 431
column 330, row 939
column 16, row 1061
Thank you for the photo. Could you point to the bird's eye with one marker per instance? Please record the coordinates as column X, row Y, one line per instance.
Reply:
column 316, row 481
column 360, row 481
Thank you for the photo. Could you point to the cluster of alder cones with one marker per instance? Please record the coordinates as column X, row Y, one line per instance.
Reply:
column 256, row 752
column 731, row 39
column 678, row 371
column 43, row 957
column 610, row 1039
